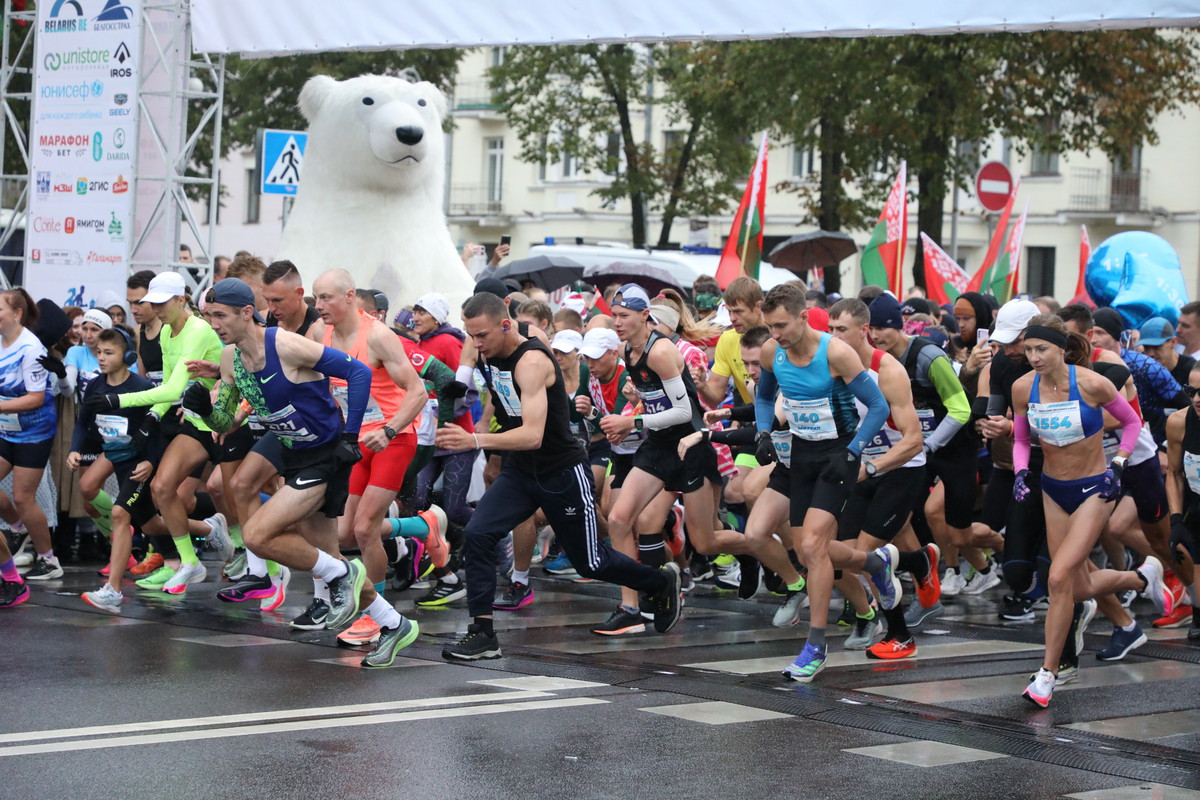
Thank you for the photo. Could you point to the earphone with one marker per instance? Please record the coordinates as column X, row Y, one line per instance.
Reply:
column 130, row 356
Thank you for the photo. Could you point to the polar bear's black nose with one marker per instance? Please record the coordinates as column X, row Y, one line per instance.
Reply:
column 409, row 134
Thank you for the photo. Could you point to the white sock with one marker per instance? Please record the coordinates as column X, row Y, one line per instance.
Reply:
column 521, row 577
column 401, row 547
column 384, row 613
column 255, row 565
column 1129, row 628
column 320, row 589
column 450, row 578
column 329, row 568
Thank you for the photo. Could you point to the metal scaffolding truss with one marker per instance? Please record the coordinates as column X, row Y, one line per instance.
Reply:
column 180, row 100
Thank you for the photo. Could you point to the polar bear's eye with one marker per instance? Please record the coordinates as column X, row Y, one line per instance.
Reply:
column 367, row 101
column 421, row 102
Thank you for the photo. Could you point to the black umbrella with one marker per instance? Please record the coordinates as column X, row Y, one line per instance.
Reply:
column 652, row 279
column 547, row 272
column 815, row 250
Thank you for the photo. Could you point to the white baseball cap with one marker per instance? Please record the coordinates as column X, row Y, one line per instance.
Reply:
column 1012, row 319
column 165, row 286
column 435, row 305
column 567, row 341
column 599, row 341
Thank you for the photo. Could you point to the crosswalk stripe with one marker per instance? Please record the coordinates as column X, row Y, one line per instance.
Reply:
column 854, row 658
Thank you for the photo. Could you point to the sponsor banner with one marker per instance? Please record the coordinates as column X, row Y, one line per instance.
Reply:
column 84, row 133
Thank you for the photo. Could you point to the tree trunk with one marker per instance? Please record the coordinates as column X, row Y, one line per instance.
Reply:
column 677, row 181
column 633, row 167
column 830, row 216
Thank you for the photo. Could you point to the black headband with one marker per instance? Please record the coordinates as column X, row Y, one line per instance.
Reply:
column 1050, row 335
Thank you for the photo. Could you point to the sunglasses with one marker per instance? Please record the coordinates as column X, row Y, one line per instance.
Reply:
column 1191, row 391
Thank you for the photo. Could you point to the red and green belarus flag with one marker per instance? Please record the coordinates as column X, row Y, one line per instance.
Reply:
column 743, row 249
column 883, row 257
column 945, row 280
column 993, row 276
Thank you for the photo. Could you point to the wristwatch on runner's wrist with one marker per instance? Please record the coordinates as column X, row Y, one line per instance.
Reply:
column 389, row 432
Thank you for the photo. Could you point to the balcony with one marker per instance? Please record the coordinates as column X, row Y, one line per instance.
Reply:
column 474, row 96
column 474, row 200
column 1105, row 191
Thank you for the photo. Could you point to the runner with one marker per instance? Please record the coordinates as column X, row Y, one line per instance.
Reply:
column 1183, row 485
column 546, row 468
column 286, row 379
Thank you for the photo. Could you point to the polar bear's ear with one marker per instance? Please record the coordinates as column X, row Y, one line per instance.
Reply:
column 433, row 95
column 316, row 91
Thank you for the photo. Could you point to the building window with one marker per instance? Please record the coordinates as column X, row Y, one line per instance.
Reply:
column 495, row 169
column 804, row 161
column 545, row 157
column 570, row 165
column 1042, row 159
column 497, row 56
column 252, row 197
column 1039, row 271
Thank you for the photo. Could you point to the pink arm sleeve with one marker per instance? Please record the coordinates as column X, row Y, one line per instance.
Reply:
column 1020, row 443
column 1131, row 423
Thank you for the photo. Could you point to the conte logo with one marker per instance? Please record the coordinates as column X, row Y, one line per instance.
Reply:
column 47, row 225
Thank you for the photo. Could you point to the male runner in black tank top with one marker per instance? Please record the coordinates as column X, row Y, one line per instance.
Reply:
column 546, row 468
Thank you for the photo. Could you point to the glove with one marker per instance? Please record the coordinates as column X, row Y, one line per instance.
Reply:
column 764, row 448
column 1181, row 537
column 1020, row 487
column 1112, row 482
column 143, row 435
column 347, row 451
column 198, row 400
column 455, row 390
column 53, row 365
column 100, row 403
column 842, row 468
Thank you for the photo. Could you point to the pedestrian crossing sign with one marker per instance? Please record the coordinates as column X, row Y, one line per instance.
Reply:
column 281, row 153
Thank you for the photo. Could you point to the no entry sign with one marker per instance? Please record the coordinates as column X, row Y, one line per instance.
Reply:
column 993, row 185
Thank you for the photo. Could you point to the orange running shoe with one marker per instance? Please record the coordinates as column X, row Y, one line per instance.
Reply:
column 149, row 564
column 929, row 590
column 892, row 649
column 1181, row 615
column 364, row 631
column 435, row 541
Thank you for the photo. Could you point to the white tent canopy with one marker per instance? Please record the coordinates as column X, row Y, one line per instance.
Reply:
column 279, row 27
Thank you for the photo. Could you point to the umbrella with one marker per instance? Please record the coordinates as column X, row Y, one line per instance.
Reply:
column 652, row 279
column 815, row 250
column 547, row 272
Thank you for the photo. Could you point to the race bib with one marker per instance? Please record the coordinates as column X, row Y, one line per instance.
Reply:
column 427, row 430
column 505, row 391
column 1111, row 441
column 1057, row 424
column 783, row 446
column 928, row 421
column 286, row 423
column 113, row 429
column 654, row 401
column 811, row 420
column 10, row 423
column 1191, row 471
column 373, row 413
column 155, row 377
column 877, row 446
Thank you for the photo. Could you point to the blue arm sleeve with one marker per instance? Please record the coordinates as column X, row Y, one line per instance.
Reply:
column 764, row 401
column 867, row 391
column 357, row 376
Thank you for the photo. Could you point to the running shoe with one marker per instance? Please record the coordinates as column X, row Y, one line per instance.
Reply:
column 952, row 583
column 392, row 641
column 750, row 572
column 237, row 567
column 344, row 595
column 44, row 570
column 1182, row 615
column 674, row 535
column 559, row 565
column 980, row 582
column 313, row 618
column 1127, row 597
column 1067, row 673
column 23, row 553
column 866, row 633
column 251, row 587
column 1156, row 590
column 892, row 649
column 1121, row 643
column 885, row 580
column 729, row 577
column 218, row 540
column 929, row 588
column 848, row 616
column 1041, row 688
column 1017, row 608
column 406, row 567
column 517, row 595
column 104, row 571
column 155, row 580
column 443, row 594
column 435, row 541
column 185, row 575
column 916, row 613
column 1176, row 588
column 807, row 665
column 619, row 623
column 279, row 583
column 702, row 568
column 106, row 598
column 687, row 583
column 13, row 593
column 364, row 631
column 1086, row 615
column 669, row 602
column 789, row 613
column 475, row 645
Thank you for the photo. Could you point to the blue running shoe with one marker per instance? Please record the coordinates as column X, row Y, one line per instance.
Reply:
column 560, row 565
column 806, row 666
column 886, row 581
column 1121, row 643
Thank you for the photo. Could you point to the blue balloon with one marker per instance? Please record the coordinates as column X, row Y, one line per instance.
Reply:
column 1138, row 274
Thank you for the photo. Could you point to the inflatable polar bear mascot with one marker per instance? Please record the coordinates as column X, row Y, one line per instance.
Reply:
column 373, row 187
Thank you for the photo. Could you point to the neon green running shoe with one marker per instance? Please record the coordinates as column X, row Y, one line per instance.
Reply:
column 724, row 560
column 157, row 579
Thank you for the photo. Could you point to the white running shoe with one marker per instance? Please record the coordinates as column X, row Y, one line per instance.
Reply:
column 789, row 613
column 979, row 582
column 218, row 539
column 1041, row 689
column 866, row 633
column 106, row 598
column 186, row 574
column 1156, row 590
column 952, row 583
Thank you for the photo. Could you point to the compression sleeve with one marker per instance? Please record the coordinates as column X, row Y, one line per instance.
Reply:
column 680, row 411
column 84, row 422
column 764, row 400
column 1131, row 423
column 868, row 393
column 225, row 408
column 357, row 376
column 1021, row 444
column 440, row 376
column 954, row 398
column 736, row 437
column 742, row 413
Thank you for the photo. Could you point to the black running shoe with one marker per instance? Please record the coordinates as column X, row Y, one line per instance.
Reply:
column 619, row 623
column 406, row 567
column 669, row 602
column 1017, row 608
column 517, row 595
column 750, row 577
column 313, row 618
column 848, row 617
column 475, row 645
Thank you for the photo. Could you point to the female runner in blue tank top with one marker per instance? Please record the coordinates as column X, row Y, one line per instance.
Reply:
column 1062, row 406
